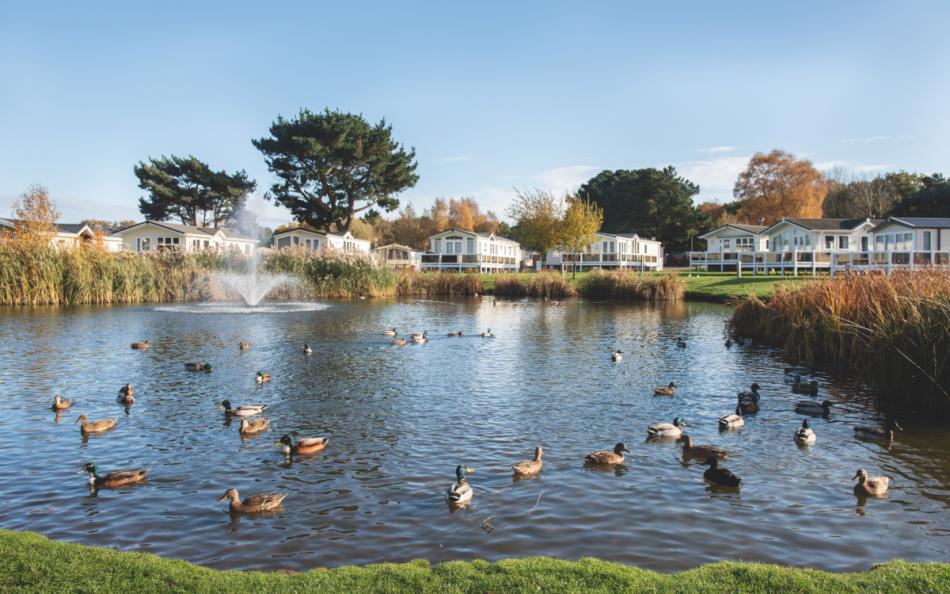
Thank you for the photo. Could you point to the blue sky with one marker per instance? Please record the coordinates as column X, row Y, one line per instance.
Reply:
column 491, row 95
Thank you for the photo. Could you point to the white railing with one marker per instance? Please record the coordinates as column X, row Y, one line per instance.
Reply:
column 812, row 261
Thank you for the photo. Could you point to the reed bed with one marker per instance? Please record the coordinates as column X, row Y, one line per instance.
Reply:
column 545, row 284
column 630, row 286
column 331, row 274
column 892, row 330
column 434, row 284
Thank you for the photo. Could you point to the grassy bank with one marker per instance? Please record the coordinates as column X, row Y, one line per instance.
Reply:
column 892, row 330
column 29, row 562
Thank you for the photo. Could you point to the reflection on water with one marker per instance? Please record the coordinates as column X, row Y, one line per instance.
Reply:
column 401, row 418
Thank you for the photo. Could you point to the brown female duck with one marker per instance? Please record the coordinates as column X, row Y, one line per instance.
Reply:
column 669, row 390
column 607, row 456
column 140, row 346
column 252, row 504
column 700, row 451
column 251, row 426
column 875, row 486
column 86, row 426
column 60, row 404
column 528, row 468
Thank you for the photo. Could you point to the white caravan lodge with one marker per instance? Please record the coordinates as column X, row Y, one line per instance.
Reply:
column 611, row 250
column 462, row 251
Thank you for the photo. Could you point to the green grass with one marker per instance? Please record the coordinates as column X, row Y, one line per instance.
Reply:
column 30, row 562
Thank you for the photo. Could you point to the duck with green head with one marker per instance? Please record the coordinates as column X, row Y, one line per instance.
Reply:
column 200, row 366
column 304, row 445
column 248, row 410
column 665, row 430
column 116, row 478
column 461, row 492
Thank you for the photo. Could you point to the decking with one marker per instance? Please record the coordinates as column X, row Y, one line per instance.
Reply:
column 814, row 261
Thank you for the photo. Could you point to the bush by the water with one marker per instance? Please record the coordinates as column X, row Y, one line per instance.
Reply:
column 628, row 285
column 893, row 330
column 544, row 284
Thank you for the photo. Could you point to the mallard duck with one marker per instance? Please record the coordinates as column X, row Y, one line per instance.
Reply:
column 244, row 345
column 116, row 478
column 307, row 350
column 886, row 434
column 87, row 426
column 305, row 445
column 733, row 421
column 607, row 456
column 527, row 468
column 262, row 377
column 140, row 346
column 669, row 390
column 810, row 407
column 699, row 451
column 488, row 334
column 399, row 342
column 206, row 367
column 719, row 476
column 617, row 356
column 390, row 332
column 456, row 333
column 60, row 404
column 681, row 343
column 252, row 504
column 674, row 429
column 248, row 410
column 252, row 426
column 460, row 492
column 126, row 394
column 416, row 337
column 809, row 388
column 804, row 435
column 749, row 401
column 876, row 486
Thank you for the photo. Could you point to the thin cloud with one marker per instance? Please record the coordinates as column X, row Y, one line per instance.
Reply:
column 853, row 167
column 866, row 139
column 456, row 158
column 717, row 150
column 715, row 177
column 565, row 179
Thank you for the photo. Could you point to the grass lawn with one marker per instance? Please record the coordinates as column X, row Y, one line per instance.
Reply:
column 30, row 562
column 712, row 286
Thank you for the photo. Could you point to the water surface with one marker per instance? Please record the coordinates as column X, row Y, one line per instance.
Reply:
column 401, row 419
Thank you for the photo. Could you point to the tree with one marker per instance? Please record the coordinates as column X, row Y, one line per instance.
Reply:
column 105, row 227
column 189, row 190
column 859, row 198
column 652, row 202
column 537, row 216
column 931, row 200
column 579, row 226
column 36, row 217
column 331, row 166
column 777, row 185
column 906, row 184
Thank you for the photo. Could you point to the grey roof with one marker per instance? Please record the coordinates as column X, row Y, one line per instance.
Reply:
column 753, row 229
column 61, row 227
column 623, row 235
column 932, row 222
column 192, row 229
column 829, row 224
column 479, row 233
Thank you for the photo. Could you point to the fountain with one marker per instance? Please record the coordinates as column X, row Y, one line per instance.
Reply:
column 252, row 286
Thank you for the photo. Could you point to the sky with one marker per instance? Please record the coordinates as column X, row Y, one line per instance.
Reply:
column 492, row 95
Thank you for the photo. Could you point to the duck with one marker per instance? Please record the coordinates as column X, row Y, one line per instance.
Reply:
column 529, row 468
column 140, row 346
column 248, row 410
column 886, row 434
column 700, row 451
column 252, row 426
column 488, row 334
column 663, row 430
column 305, row 445
column 243, row 346
column 728, row 343
column 126, row 395
column 681, row 343
column 420, row 338
column 749, row 401
column 808, row 388
column 60, row 404
column 875, row 486
column 460, row 492
column 456, row 333
column 262, row 377
column 199, row 366
column 719, row 476
column 607, row 456
column 390, row 332
column 116, row 478
column 617, row 356
column 797, row 370
column 252, row 504
column 307, row 350
column 86, row 426
column 810, row 407
column 805, row 435
column 733, row 421
column 669, row 390
column 399, row 342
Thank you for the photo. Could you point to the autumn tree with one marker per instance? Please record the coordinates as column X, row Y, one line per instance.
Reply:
column 36, row 217
column 537, row 215
column 579, row 226
column 332, row 166
column 777, row 185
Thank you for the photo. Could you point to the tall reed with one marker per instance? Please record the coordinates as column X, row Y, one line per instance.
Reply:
column 544, row 284
column 628, row 285
column 892, row 330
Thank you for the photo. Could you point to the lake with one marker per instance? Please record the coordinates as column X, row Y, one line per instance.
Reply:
column 400, row 419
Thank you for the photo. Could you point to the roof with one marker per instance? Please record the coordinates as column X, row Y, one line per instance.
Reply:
column 191, row 230
column 306, row 228
column 931, row 222
column 624, row 235
column 825, row 224
column 753, row 229
column 394, row 245
column 477, row 233
column 71, row 228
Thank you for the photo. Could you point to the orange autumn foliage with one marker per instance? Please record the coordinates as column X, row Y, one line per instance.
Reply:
column 777, row 185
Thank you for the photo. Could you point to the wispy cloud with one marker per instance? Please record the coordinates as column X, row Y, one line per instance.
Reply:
column 866, row 139
column 717, row 150
column 854, row 167
column 456, row 158
column 564, row 179
column 716, row 177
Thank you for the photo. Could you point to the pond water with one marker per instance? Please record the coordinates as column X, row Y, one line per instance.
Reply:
column 400, row 419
